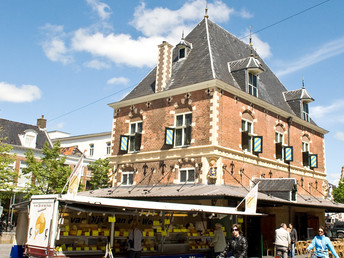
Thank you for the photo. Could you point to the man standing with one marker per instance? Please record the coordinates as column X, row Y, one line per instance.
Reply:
column 219, row 241
column 293, row 238
column 135, row 241
column 282, row 241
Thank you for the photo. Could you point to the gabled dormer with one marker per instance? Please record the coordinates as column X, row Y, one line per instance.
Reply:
column 184, row 48
column 298, row 100
column 29, row 138
column 246, row 73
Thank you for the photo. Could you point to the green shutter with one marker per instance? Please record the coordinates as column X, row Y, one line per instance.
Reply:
column 313, row 158
column 288, row 153
column 138, row 137
column 257, row 144
column 123, row 143
column 244, row 140
column 305, row 158
column 169, row 136
column 279, row 149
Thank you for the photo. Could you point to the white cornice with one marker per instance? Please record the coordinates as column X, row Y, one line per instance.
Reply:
column 226, row 87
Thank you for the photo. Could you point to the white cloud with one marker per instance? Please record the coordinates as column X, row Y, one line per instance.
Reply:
column 120, row 48
column 262, row 48
column 162, row 21
column 25, row 93
column 244, row 14
column 334, row 109
column 54, row 46
column 102, row 9
column 328, row 50
column 118, row 80
column 97, row 64
column 339, row 136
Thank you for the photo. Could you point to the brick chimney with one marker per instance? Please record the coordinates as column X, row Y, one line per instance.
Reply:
column 42, row 122
column 164, row 67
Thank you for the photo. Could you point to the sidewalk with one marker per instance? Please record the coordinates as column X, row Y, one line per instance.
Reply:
column 5, row 250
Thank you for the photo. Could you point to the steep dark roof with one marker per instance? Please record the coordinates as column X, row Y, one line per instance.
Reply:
column 197, row 67
column 11, row 130
column 300, row 94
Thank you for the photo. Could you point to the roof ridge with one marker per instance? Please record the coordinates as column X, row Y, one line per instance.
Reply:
column 210, row 52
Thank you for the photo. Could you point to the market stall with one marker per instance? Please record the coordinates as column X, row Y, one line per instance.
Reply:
column 61, row 226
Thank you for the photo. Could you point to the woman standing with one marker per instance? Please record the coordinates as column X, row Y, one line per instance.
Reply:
column 237, row 245
column 322, row 244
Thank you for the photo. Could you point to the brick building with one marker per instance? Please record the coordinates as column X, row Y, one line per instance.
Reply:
column 208, row 122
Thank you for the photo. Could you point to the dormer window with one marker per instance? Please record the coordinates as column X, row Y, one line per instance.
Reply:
column 252, row 84
column 305, row 113
column 29, row 139
column 181, row 53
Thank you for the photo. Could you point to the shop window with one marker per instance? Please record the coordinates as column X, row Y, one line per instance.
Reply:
column 246, row 135
column 135, row 135
column 127, row 178
column 91, row 149
column 187, row 175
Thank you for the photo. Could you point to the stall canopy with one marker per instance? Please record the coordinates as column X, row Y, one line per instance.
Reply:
column 149, row 205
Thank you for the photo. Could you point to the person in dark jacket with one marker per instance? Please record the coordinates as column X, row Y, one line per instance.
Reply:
column 293, row 238
column 237, row 245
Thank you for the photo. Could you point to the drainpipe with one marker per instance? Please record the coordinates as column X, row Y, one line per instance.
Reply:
column 289, row 121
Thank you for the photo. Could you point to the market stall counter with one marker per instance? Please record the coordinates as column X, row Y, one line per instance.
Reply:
column 60, row 226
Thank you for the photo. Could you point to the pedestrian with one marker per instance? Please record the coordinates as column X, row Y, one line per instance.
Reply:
column 293, row 239
column 219, row 240
column 237, row 245
column 282, row 241
column 322, row 244
column 135, row 241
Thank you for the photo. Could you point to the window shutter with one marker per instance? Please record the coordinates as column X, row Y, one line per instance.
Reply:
column 258, row 144
column 169, row 136
column 138, row 137
column 188, row 130
column 288, row 154
column 123, row 143
column 244, row 140
column 305, row 158
column 313, row 158
column 278, row 150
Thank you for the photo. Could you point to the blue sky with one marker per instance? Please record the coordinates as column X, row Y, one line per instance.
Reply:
column 67, row 59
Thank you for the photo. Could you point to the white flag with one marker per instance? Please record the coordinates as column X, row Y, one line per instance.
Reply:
column 74, row 179
column 251, row 200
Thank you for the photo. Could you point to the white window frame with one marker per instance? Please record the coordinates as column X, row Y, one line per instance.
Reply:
column 305, row 146
column 127, row 174
column 91, row 149
column 188, row 170
column 30, row 138
column 23, row 179
column 108, row 148
column 182, row 128
column 131, row 138
column 279, row 138
column 305, row 113
column 244, row 127
column 252, row 88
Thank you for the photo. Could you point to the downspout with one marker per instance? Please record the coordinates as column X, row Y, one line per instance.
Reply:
column 289, row 121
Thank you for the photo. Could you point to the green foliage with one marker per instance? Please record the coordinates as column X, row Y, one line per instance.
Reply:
column 338, row 192
column 100, row 169
column 49, row 174
column 8, row 175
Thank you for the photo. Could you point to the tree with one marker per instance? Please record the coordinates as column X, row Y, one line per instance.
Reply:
column 338, row 192
column 50, row 174
column 100, row 169
column 8, row 175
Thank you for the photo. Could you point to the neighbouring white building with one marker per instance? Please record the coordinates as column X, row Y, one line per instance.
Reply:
column 97, row 145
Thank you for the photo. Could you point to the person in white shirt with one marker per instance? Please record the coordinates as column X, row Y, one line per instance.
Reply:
column 135, row 241
column 219, row 241
column 282, row 241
